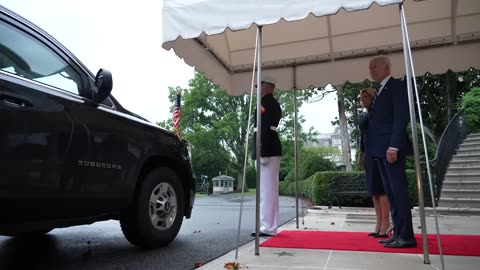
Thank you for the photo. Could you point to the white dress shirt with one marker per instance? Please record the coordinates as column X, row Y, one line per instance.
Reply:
column 382, row 84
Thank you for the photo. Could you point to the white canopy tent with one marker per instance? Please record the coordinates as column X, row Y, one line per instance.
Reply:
column 321, row 39
column 314, row 43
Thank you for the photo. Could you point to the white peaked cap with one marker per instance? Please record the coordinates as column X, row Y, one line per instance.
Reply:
column 269, row 79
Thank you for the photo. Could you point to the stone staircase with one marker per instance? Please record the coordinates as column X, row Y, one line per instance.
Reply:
column 461, row 188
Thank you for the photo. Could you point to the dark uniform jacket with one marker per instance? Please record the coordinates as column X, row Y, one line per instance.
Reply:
column 270, row 145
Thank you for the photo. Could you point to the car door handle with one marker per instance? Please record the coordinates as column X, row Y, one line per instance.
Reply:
column 16, row 102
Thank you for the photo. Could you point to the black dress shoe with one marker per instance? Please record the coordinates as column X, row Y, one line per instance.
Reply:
column 379, row 235
column 389, row 240
column 373, row 233
column 402, row 243
column 261, row 234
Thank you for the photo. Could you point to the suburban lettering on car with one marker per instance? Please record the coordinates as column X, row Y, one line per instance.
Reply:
column 102, row 165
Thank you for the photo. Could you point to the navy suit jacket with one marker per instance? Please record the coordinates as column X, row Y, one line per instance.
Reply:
column 388, row 120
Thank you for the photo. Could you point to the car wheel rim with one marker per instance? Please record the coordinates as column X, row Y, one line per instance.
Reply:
column 163, row 206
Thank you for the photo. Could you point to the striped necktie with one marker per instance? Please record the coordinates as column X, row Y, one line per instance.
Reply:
column 376, row 86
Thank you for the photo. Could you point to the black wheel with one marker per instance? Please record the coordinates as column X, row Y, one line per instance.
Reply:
column 157, row 213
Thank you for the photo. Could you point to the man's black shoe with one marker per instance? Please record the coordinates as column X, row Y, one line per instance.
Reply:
column 261, row 234
column 389, row 240
column 402, row 243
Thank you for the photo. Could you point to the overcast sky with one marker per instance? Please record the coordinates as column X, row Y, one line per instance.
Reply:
column 125, row 37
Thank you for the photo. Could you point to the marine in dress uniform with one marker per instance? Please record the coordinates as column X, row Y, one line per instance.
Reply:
column 270, row 155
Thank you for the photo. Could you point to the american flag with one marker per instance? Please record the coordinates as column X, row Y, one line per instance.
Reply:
column 176, row 114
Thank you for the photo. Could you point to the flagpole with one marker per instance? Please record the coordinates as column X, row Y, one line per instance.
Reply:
column 258, row 133
column 177, row 111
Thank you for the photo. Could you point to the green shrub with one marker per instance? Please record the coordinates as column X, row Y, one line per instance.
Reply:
column 471, row 107
column 314, row 164
column 289, row 178
column 310, row 163
column 316, row 188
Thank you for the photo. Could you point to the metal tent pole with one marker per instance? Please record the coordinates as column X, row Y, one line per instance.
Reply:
column 295, row 132
column 257, row 147
column 297, row 156
column 413, row 123
column 295, row 128
column 408, row 52
column 246, row 152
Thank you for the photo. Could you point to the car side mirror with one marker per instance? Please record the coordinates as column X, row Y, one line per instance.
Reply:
column 104, row 84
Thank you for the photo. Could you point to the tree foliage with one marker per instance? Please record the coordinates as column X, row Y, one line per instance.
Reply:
column 471, row 107
column 440, row 96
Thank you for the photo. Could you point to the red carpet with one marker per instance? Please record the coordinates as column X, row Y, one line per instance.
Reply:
column 459, row 245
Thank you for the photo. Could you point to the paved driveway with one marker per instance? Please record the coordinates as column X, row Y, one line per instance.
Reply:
column 210, row 233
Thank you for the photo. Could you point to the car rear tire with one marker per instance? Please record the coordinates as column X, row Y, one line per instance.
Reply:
column 156, row 216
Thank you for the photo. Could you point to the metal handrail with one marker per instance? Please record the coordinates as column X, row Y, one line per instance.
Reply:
column 453, row 135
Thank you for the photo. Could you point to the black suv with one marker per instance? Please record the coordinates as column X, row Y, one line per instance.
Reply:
column 70, row 154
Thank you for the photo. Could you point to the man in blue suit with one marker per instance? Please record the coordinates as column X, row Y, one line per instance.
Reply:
column 388, row 144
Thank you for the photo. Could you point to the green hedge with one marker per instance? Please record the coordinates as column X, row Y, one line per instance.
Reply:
column 471, row 107
column 316, row 188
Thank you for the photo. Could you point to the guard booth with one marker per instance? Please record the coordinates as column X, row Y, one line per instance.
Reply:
column 222, row 184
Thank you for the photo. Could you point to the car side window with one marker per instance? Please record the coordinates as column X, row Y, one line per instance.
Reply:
column 28, row 57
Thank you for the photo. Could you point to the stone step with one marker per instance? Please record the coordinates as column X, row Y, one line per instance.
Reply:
column 459, row 202
column 453, row 211
column 360, row 218
column 460, row 193
column 471, row 162
column 466, row 157
column 472, row 139
column 361, row 215
column 451, row 176
column 469, row 145
column 474, row 135
column 469, row 151
column 362, row 221
column 466, row 169
column 461, row 184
